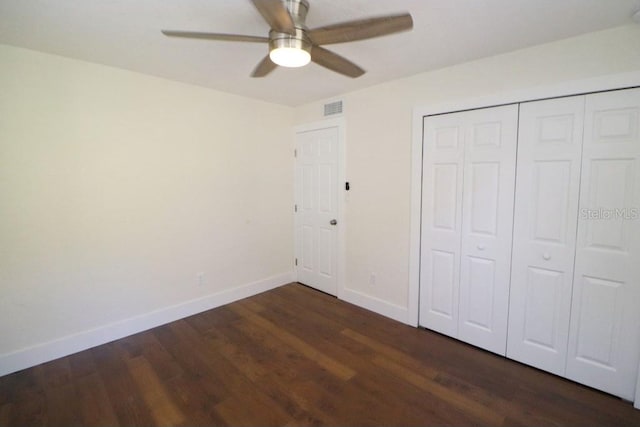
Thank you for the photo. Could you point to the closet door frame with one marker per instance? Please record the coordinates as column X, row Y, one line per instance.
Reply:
column 636, row 404
column 568, row 88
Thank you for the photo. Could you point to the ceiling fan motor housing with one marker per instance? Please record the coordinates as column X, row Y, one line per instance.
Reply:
column 284, row 40
column 298, row 10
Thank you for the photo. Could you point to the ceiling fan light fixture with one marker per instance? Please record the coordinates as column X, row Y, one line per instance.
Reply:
column 289, row 51
column 292, row 57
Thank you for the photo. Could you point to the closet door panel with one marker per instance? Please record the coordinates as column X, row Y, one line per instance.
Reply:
column 545, row 221
column 443, row 153
column 604, row 340
column 487, row 218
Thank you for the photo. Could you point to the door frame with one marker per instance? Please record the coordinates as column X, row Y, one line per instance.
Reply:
column 636, row 404
column 338, row 123
column 569, row 88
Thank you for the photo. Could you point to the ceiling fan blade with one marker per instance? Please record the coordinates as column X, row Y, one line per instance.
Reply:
column 335, row 62
column 216, row 36
column 264, row 67
column 276, row 15
column 361, row 29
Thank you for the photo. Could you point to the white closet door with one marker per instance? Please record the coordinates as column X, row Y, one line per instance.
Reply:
column 544, row 239
column 604, row 339
column 487, row 225
column 443, row 151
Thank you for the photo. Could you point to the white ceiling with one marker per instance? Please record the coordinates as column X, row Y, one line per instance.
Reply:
column 126, row 34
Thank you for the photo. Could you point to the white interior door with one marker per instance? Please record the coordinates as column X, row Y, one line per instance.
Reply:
column 443, row 155
column 604, row 338
column 487, row 226
column 317, row 208
column 544, row 240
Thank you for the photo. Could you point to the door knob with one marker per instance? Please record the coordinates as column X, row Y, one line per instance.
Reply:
column 481, row 247
column 546, row 256
column 333, row 222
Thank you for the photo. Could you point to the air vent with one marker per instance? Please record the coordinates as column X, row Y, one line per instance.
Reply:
column 333, row 109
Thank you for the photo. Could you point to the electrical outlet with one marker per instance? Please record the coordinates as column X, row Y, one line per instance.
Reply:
column 200, row 278
column 372, row 279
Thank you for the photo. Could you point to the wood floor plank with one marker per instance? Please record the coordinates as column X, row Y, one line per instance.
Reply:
column 414, row 372
column 81, row 364
column 125, row 398
column 55, row 373
column 29, row 410
column 324, row 337
column 5, row 414
column 212, row 319
column 327, row 336
column 220, row 371
column 293, row 356
column 475, row 409
column 163, row 409
column 10, row 387
column 478, row 368
column 394, row 398
column 195, row 399
column 164, row 364
column 258, row 355
column 194, row 363
column 511, row 410
column 331, row 365
column 94, row 403
column 235, row 412
column 62, row 406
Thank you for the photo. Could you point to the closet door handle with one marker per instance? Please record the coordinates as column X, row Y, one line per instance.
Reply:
column 546, row 256
column 481, row 247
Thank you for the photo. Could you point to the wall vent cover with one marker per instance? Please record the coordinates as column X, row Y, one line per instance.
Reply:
column 333, row 108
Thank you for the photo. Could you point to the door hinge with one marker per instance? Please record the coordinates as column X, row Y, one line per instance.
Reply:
column 295, row 153
column 295, row 208
column 296, row 261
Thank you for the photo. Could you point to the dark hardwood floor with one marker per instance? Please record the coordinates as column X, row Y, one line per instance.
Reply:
column 294, row 356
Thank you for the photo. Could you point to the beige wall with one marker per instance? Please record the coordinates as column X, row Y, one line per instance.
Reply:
column 116, row 189
column 378, row 140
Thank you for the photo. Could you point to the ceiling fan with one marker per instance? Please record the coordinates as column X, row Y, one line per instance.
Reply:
column 292, row 44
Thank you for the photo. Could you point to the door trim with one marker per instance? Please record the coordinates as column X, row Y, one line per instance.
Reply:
column 636, row 404
column 569, row 88
column 338, row 123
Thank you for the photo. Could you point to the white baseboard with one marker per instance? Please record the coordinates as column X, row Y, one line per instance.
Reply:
column 40, row 353
column 377, row 305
